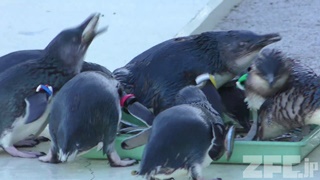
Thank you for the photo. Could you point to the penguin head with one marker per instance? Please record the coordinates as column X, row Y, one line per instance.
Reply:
column 190, row 94
column 70, row 45
column 237, row 48
column 269, row 73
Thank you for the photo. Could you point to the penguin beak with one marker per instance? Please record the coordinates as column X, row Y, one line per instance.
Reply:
column 267, row 39
column 89, row 29
column 270, row 79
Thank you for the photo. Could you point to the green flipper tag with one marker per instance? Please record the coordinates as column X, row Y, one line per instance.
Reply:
column 242, row 81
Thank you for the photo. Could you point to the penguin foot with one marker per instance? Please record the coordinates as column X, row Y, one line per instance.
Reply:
column 115, row 160
column 23, row 154
column 31, row 141
column 124, row 163
column 49, row 158
column 42, row 139
column 26, row 143
column 251, row 134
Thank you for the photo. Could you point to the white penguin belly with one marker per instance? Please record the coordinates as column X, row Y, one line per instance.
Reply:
column 21, row 131
column 254, row 101
column 207, row 161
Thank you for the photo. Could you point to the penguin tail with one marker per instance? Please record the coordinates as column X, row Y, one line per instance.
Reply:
column 65, row 156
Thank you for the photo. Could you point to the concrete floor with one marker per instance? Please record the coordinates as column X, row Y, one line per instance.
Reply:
column 297, row 21
column 86, row 169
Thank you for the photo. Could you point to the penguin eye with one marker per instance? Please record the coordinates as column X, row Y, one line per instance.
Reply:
column 242, row 44
column 120, row 92
column 74, row 39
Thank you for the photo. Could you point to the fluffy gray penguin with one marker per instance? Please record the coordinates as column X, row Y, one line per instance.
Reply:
column 20, row 116
column 85, row 112
column 156, row 75
column 284, row 92
column 184, row 138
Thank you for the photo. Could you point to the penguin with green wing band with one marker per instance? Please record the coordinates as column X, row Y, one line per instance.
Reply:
column 156, row 75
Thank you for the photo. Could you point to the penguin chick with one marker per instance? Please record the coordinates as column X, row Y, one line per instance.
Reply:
column 20, row 114
column 184, row 138
column 84, row 113
column 285, row 93
column 268, row 74
column 156, row 75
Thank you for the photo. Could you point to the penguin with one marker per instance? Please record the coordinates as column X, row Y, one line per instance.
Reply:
column 85, row 112
column 16, row 57
column 11, row 59
column 184, row 138
column 284, row 92
column 234, row 108
column 22, row 112
column 156, row 75
column 207, row 84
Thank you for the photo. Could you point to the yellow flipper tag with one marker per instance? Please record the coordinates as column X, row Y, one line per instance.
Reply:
column 204, row 77
column 213, row 80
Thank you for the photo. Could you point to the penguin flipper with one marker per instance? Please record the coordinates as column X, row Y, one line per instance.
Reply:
column 229, row 141
column 141, row 113
column 137, row 140
column 36, row 106
column 216, row 150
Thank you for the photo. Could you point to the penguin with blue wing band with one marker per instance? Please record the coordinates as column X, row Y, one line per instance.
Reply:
column 61, row 61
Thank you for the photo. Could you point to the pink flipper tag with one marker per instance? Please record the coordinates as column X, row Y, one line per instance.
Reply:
column 125, row 98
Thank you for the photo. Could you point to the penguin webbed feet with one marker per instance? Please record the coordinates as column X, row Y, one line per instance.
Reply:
column 51, row 157
column 114, row 158
column 31, row 141
column 115, row 161
column 23, row 154
column 295, row 135
column 253, row 132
